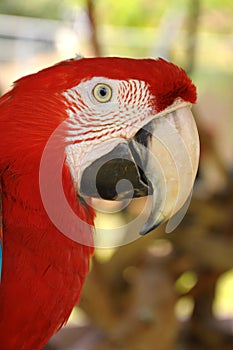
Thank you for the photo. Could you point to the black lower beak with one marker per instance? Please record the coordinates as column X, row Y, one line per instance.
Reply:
column 117, row 175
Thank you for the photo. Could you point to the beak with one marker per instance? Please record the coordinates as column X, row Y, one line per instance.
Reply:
column 172, row 164
column 161, row 160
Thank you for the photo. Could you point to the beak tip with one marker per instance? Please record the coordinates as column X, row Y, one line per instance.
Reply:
column 150, row 227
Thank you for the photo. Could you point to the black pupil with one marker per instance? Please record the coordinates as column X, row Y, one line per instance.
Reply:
column 103, row 92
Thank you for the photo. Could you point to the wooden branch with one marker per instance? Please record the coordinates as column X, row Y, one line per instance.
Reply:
column 191, row 41
column 94, row 36
column 148, row 317
column 96, row 299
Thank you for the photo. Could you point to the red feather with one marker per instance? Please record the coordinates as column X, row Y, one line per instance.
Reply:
column 43, row 270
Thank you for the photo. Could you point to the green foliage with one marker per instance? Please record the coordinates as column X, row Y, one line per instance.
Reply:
column 130, row 12
column 114, row 12
column 41, row 8
column 218, row 4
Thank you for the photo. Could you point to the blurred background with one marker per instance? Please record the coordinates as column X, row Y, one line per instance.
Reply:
column 163, row 291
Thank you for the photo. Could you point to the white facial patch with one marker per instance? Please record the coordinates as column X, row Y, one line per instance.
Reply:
column 90, row 119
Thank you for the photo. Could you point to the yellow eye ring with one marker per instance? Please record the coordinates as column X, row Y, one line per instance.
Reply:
column 102, row 92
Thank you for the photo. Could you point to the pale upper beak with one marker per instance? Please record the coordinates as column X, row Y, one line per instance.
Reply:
column 173, row 163
column 160, row 160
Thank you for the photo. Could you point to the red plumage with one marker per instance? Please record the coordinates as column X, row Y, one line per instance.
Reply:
column 43, row 270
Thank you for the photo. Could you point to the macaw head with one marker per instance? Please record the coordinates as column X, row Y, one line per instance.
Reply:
column 124, row 125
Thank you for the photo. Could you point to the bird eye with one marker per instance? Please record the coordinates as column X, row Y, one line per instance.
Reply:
column 102, row 93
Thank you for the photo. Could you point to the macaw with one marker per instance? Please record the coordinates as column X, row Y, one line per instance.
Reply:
column 69, row 133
